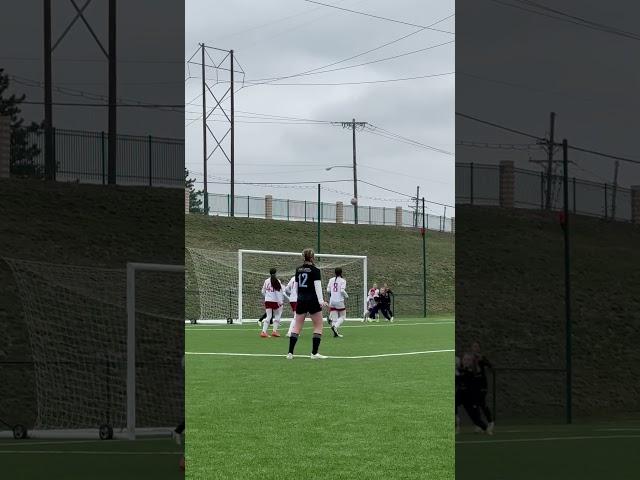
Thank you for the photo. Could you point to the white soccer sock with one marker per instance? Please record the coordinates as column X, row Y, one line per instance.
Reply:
column 265, row 323
column 276, row 319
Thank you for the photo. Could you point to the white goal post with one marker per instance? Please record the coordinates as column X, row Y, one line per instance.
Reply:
column 228, row 283
column 104, row 349
column 132, row 269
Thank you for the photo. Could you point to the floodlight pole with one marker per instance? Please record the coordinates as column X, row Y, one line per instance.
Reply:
column 567, row 280
column 319, row 214
column 424, row 261
column 204, row 134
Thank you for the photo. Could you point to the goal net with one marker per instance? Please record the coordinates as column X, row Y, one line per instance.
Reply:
column 228, row 285
column 106, row 346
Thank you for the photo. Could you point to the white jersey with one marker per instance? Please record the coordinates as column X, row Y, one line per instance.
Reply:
column 337, row 288
column 271, row 295
column 291, row 290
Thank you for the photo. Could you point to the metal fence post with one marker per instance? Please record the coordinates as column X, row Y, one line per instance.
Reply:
column 287, row 209
column 606, row 203
column 103, row 157
column 369, row 213
column 305, row 210
column 150, row 160
column 541, row 190
column 574, row 195
column 471, row 181
column 248, row 206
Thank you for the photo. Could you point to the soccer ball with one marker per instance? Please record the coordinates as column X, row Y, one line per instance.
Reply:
column 354, row 201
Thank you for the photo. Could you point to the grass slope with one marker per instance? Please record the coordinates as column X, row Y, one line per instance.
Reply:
column 395, row 254
column 510, row 297
column 271, row 418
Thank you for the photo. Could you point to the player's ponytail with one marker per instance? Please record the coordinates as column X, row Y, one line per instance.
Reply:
column 308, row 255
column 275, row 283
column 338, row 272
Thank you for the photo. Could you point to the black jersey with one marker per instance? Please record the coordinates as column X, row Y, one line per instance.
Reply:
column 385, row 300
column 306, row 275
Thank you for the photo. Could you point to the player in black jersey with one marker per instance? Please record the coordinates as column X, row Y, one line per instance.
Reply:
column 308, row 284
column 482, row 364
column 468, row 382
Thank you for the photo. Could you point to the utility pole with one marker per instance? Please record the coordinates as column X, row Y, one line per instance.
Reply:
column 615, row 190
column 204, row 132
column 353, row 125
column 355, row 171
column 550, row 147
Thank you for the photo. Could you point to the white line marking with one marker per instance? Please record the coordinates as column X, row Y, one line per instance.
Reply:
column 28, row 443
column 84, row 452
column 229, row 354
column 547, row 439
column 226, row 328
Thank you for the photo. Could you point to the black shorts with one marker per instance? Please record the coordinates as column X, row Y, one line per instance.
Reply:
column 308, row 306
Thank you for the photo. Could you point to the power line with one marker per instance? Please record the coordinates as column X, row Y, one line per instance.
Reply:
column 501, row 127
column 559, row 15
column 321, row 71
column 378, row 17
column 403, row 194
column 499, row 146
column 356, row 83
column 544, row 140
column 396, row 136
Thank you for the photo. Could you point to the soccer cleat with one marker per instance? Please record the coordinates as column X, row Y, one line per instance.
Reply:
column 264, row 335
column 490, row 428
column 275, row 334
column 317, row 356
column 289, row 356
column 338, row 335
column 477, row 430
column 391, row 319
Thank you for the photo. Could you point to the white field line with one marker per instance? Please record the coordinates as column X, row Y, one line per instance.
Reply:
column 545, row 439
column 228, row 354
column 27, row 443
column 83, row 452
column 226, row 328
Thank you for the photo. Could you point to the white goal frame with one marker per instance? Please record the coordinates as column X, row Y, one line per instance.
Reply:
column 298, row 255
column 132, row 269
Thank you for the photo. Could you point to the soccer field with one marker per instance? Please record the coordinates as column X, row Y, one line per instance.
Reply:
column 380, row 407
column 89, row 459
column 587, row 452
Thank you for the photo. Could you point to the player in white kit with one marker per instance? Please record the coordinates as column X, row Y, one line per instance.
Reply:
column 337, row 288
column 273, row 301
column 290, row 290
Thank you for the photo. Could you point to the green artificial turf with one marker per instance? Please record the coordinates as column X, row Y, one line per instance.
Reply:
column 352, row 418
column 90, row 459
column 585, row 452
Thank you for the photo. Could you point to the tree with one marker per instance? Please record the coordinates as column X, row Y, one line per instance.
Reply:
column 23, row 152
column 195, row 200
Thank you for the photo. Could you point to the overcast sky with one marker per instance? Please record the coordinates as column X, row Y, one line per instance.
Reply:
column 285, row 37
column 532, row 65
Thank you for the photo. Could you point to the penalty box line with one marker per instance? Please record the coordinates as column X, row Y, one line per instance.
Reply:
column 401, row 354
column 545, row 439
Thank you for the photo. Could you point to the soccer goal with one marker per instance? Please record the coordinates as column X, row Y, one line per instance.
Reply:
column 106, row 349
column 228, row 284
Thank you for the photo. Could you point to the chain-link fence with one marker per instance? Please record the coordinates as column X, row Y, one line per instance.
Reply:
column 82, row 157
column 479, row 184
column 307, row 211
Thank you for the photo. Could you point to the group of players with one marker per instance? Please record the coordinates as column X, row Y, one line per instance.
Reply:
column 472, row 388
column 305, row 295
